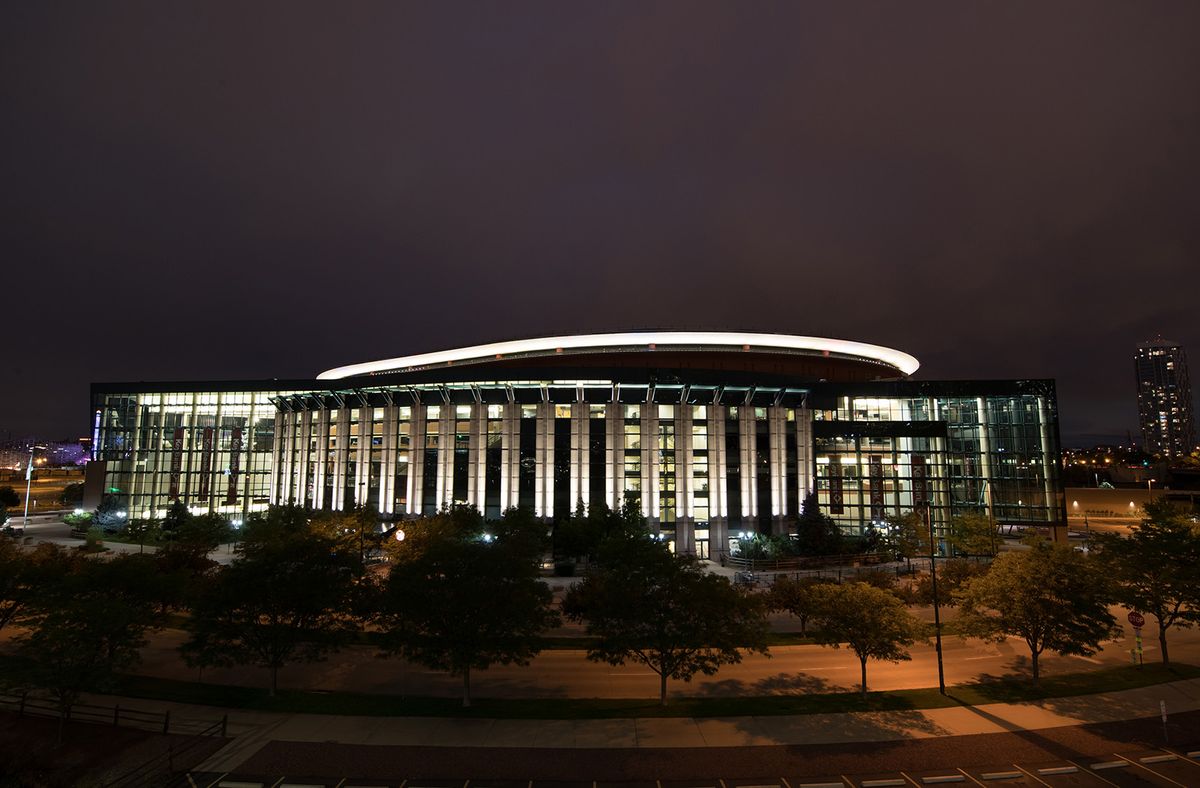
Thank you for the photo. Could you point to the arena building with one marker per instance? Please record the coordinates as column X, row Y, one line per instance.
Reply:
column 711, row 433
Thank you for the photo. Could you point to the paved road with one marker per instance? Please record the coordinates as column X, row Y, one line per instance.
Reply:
column 566, row 673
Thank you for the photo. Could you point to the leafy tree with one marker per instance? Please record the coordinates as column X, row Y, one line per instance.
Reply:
column 9, row 497
column 204, row 532
column 816, row 533
column 1156, row 569
column 142, row 531
column 908, row 536
column 953, row 576
column 579, row 535
column 1050, row 596
column 356, row 532
column 800, row 597
column 72, row 493
column 971, row 534
column 279, row 602
column 458, row 599
column 84, row 627
column 664, row 612
column 872, row 622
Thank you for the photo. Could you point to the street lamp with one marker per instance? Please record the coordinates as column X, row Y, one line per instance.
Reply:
column 1150, row 487
column 937, row 619
column 28, row 484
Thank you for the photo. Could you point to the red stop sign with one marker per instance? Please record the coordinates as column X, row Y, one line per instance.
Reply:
column 1136, row 618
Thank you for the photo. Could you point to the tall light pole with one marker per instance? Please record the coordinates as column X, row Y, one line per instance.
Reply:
column 28, row 484
column 937, row 617
column 1150, row 487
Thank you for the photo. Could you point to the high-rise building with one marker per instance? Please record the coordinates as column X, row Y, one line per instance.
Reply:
column 1164, row 398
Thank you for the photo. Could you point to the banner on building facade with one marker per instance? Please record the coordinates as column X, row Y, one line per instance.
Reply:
column 875, row 484
column 206, row 455
column 176, row 462
column 919, row 482
column 836, row 499
column 235, row 465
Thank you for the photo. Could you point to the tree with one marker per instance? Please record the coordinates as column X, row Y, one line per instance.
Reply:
column 800, row 597
column 279, row 602
column 971, row 534
column 9, row 497
column 107, row 513
column 460, row 599
column 816, row 533
column 648, row 606
column 72, row 493
column 953, row 576
column 142, row 531
column 1050, row 596
column 356, row 533
column 908, row 536
column 1156, row 569
column 872, row 622
column 23, row 573
column 84, row 628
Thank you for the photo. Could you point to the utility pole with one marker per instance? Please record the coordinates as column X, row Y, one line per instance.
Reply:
column 28, row 484
column 937, row 617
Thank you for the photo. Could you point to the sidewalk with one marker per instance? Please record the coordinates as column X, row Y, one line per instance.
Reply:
column 251, row 730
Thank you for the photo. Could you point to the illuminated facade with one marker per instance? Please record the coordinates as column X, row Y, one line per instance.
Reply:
column 711, row 434
column 1164, row 398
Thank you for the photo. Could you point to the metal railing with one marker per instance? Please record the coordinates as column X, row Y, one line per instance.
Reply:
column 36, row 705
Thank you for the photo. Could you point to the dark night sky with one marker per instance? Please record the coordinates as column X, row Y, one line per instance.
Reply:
column 230, row 190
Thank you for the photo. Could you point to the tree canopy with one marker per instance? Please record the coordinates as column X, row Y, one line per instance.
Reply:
column 287, row 597
column 1156, row 569
column 870, row 621
column 646, row 605
column 461, row 598
column 1050, row 596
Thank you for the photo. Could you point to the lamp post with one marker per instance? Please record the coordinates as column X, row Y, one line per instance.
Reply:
column 28, row 484
column 937, row 618
column 1150, row 487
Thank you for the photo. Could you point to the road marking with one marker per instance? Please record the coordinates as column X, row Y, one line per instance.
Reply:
column 1147, row 768
column 1159, row 758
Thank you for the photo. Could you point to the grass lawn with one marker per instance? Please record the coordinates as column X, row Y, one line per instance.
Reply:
column 1009, row 690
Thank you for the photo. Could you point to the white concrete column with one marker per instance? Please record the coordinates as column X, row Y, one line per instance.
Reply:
column 1049, row 462
column 446, row 432
column 544, row 452
column 387, row 473
column 614, row 454
column 510, row 455
column 777, row 456
column 477, row 463
column 322, row 452
column 746, row 446
column 649, row 440
column 416, row 462
column 804, row 454
column 362, row 474
column 580, row 461
column 685, row 537
column 985, row 457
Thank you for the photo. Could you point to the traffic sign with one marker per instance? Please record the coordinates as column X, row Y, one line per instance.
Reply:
column 1136, row 618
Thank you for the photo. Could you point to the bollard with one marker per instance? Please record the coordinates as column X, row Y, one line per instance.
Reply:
column 166, row 720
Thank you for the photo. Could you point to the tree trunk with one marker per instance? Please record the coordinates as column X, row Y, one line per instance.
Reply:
column 1034, row 660
column 1162, row 643
column 863, row 662
column 274, row 679
column 466, row 688
column 662, row 688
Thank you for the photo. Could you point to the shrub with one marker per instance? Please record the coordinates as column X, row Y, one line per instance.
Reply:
column 81, row 521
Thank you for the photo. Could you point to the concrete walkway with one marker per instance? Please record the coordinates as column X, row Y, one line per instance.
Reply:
column 251, row 730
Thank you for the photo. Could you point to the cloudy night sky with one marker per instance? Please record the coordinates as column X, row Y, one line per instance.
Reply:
column 198, row 191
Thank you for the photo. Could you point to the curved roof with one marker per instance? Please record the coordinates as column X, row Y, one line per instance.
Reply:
column 635, row 341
